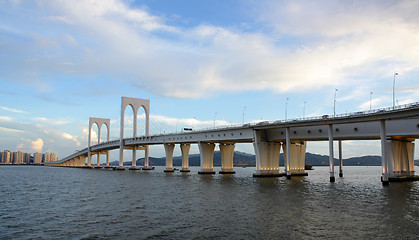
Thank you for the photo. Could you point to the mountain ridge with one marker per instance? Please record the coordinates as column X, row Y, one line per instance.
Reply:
column 246, row 159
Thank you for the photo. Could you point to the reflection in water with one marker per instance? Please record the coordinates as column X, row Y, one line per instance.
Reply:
column 46, row 202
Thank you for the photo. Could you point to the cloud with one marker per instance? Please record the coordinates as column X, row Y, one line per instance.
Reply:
column 185, row 121
column 37, row 145
column 29, row 137
column 70, row 137
column 11, row 130
column 57, row 19
column 12, row 110
column 375, row 102
column 6, row 118
column 301, row 47
column 51, row 121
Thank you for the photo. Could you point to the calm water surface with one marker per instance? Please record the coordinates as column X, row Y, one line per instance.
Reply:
column 70, row 203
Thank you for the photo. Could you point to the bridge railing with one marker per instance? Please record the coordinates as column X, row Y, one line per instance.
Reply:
column 343, row 115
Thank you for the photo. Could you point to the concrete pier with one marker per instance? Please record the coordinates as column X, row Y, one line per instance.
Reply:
column 184, row 148
column 227, row 155
column 168, row 148
column 207, row 156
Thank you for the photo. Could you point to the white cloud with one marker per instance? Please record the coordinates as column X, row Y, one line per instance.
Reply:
column 11, row 130
column 70, row 137
column 37, row 145
column 375, row 102
column 342, row 41
column 57, row 19
column 29, row 137
column 51, row 121
column 6, row 118
column 12, row 110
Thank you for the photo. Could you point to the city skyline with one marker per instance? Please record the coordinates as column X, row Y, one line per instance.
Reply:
column 203, row 64
column 11, row 157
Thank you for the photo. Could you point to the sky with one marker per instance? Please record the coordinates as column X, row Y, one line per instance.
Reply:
column 200, row 63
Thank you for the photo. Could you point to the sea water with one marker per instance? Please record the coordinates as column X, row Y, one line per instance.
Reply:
column 74, row 203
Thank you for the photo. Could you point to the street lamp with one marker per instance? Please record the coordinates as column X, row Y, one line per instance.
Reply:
column 394, row 84
column 304, row 110
column 334, row 104
column 215, row 115
column 370, row 99
column 286, row 106
column 244, row 109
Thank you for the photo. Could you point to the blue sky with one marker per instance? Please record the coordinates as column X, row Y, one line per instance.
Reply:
column 62, row 62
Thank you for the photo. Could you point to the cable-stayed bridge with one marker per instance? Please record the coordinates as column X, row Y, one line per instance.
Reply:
column 397, row 128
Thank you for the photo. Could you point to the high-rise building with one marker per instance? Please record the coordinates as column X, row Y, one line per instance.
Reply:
column 46, row 157
column 53, row 157
column 17, row 157
column 26, row 158
column 37, row 158
column 5, row 157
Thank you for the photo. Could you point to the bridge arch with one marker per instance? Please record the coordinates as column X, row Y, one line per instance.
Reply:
column 99, row 122
column 135, row 104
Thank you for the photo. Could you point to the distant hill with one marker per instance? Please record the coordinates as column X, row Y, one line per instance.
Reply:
column 241, row 158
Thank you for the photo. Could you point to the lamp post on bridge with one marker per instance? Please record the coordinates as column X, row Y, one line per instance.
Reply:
column 304, row 110
column 244, row 109
column 215, row 115
column 394, row 86
column 334, row 104
column 370, row 100
column 286, row 106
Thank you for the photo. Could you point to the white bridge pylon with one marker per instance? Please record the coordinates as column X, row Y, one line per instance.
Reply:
column 136, row 104
column 99, row 122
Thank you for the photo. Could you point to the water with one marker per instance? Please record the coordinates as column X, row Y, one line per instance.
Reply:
column 70, row 203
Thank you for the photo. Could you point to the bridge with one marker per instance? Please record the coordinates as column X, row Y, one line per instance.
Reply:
column 396, row 127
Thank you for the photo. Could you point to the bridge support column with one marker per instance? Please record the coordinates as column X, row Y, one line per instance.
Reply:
column 83, row 161
column 384, row 158
column 267, row 156
column 296, row 156
column 107, row 159
column 134, row 158
column 400, row 159
column 207, row 156
column 287, row 158
column 79, row 161
column 121, row 157
column 331, row 158
column 98, row 160
column 227, row 154
column 168, row 148
column 184, row 148
column 146, row 164
column 89, row 159
column 340, row 159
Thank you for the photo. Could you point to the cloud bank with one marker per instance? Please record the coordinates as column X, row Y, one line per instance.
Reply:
column 303, row 46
